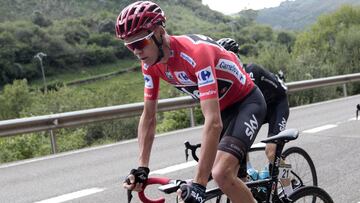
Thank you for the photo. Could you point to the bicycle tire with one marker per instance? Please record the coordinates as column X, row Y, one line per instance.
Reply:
column 298, row 166
column 312, row 194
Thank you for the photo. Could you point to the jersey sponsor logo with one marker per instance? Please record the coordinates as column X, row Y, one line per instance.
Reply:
column 146, row 66
column 224, row 87
column 193, row 91
column 252, row 127
column 283, row 85
column 183, row 78
column 147, row 95
column 251, row 74
column 169, row 75
column 207, row 93
column 205, row 77
column 231, row 67
column 188, row 59
column 282, row 125
column 148, row 81
column 269, row 81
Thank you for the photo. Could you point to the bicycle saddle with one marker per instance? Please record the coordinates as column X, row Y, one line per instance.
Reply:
column 285, row 136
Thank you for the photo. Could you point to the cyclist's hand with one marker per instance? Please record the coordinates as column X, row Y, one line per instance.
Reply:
column 193, row 193
column 136, row 178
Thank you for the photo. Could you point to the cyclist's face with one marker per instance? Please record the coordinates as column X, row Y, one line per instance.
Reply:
column 143, row 46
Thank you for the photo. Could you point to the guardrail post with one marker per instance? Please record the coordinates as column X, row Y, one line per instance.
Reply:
column 192, row 120
column 345, row 90
column 53, row 142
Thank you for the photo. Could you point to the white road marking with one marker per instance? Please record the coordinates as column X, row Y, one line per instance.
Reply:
column 353, row 119
column 8, row 165
column 174, row 168
column 321, row 128
column 72, row 195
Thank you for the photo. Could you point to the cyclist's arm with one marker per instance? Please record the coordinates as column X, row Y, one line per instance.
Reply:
column 274, row 82
column 146, row 131
column 210, row 139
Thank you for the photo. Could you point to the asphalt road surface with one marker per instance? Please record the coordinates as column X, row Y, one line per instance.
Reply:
column 328, row 132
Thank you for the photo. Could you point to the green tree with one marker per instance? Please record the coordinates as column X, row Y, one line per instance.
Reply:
column 322, row 39
column 39, row 19
column 287, row 39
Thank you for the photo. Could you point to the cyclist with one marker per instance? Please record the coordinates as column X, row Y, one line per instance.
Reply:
column 233, row 107
column 275, row 93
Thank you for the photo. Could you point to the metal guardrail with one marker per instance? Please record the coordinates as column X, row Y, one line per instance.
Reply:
column 77, row 118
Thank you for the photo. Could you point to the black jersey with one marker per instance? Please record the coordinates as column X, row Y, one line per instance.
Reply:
column 270, row 84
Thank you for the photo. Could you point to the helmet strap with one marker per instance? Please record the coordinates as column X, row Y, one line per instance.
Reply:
column 159, row 45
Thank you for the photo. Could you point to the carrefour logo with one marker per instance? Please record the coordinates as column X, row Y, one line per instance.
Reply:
column 183, row 78
column 205, row 76
column 148, row 81
column 232, row 68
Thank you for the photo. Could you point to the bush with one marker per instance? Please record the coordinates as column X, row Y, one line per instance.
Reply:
column 70, row 139
column 103, row 40
column 23, row 147
column 39, row 19
column 14, row 99
column 248, row 50
column 173, row 120
column 94, row 55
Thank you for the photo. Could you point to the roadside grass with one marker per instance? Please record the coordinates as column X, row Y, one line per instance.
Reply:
column 84, row 73
column 131, row 84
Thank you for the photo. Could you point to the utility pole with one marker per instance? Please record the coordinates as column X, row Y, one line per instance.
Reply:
column 39, row 56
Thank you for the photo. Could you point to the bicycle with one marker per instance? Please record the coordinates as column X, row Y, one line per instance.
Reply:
column 270, row 184
column 303, row 170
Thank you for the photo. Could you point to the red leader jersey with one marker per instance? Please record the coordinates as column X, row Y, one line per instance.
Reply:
column 201, row 68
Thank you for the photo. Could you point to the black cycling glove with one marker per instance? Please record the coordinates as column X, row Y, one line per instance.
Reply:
column 141, row 174
column 194, row 193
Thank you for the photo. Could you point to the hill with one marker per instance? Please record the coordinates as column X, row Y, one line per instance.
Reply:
column 80, row 33
column 298, row 14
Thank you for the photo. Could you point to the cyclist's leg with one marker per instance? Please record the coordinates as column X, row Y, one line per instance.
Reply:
column 277, row 116
column 238, row 136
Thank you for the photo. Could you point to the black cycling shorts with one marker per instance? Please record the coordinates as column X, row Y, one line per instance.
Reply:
column 277, row 115
column 241, row 123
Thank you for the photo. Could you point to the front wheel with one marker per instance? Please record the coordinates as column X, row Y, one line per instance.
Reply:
column 311, row 194
column 303, row 168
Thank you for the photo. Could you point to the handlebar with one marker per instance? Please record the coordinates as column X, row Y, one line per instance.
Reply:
column 152, row 181
column 167, row 186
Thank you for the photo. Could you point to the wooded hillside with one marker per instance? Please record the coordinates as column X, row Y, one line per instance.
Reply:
column 299, row 14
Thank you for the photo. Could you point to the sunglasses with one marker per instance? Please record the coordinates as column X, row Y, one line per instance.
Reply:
column 140, row 43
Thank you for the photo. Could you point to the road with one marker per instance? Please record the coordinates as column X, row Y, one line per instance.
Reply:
column 329, row 133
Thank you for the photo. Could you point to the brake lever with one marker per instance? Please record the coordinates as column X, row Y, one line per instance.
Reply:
column 193, row 150
column 129, row 195
column 187, row 147
column 129, row 192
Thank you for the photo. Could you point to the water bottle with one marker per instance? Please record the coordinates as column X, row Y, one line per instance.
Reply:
column 263, row 174
column 253, row 174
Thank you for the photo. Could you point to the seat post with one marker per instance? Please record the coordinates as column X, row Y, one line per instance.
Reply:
column 274, row 170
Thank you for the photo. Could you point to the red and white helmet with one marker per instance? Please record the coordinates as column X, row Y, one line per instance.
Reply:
column 138, row 16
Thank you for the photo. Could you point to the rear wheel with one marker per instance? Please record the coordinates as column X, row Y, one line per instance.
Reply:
column 311, row 194
column 303, row 169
